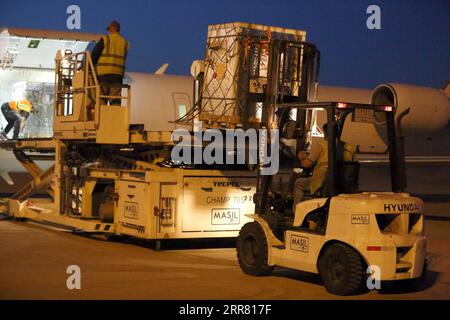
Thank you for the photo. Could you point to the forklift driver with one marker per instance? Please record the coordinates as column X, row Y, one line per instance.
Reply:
column 318, row 160
column 16, row 114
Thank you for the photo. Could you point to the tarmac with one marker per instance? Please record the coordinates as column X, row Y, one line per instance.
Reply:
column 34, row 259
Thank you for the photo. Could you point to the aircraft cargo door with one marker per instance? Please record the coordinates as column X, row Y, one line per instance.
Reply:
column 217, row 203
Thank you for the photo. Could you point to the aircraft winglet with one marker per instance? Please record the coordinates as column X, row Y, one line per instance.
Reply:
column 162, row 69
column 446, row 88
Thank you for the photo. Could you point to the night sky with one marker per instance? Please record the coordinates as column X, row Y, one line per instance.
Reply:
column 413, row 45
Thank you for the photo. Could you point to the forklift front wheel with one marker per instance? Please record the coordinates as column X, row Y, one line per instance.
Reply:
column 252, row 250
column 341, row 269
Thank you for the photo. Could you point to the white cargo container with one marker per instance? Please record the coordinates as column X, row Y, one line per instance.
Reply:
column 235, row 65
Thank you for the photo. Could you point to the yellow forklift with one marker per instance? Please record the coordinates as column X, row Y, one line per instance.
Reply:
column 341, row 233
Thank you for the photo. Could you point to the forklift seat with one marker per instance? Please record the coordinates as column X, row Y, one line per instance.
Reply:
column 348, row 177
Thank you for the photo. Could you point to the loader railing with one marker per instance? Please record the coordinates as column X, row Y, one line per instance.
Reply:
column 80, row 98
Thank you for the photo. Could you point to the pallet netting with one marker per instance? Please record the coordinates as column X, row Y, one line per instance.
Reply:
column 235, row 66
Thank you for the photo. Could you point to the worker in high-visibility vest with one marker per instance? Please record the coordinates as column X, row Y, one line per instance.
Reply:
column 318, row 160
column 109, row 56
column 16, row 114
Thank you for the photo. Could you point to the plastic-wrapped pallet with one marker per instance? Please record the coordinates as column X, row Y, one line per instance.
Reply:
column 236, row 62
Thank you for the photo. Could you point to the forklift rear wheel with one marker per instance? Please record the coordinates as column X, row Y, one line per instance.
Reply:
column 252, row 250
column 341, row 270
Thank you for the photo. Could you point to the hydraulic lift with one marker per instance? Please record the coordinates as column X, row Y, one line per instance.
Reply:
column 106, row 176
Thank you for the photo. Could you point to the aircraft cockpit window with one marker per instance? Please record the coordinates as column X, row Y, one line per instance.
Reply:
column 181, row 110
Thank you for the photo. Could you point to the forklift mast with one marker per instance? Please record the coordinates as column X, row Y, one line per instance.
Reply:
column 280, row 71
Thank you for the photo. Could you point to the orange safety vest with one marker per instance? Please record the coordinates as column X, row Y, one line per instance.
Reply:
column 112, row 60
column 21, row 105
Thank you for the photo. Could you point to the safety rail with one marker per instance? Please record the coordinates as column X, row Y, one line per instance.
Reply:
column 81, row 100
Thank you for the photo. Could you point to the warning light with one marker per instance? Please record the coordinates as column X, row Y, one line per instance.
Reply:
column 341, row 105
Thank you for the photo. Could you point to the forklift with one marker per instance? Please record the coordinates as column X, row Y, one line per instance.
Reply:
column 341, row 233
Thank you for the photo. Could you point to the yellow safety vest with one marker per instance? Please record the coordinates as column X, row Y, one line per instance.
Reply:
column 345, row 152
column 112, row 60
column 21, row 105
